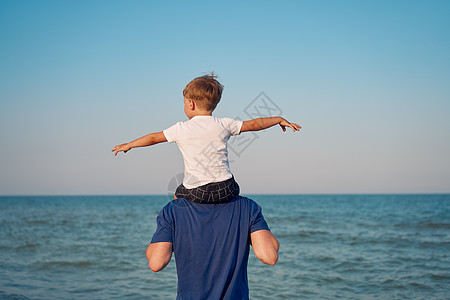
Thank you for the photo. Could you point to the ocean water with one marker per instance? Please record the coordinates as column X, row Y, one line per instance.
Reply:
column 332, row 247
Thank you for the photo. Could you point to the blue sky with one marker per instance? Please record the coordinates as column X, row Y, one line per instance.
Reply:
column 368, row 81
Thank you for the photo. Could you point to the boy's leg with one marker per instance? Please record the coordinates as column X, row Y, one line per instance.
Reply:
column 225, row 191
column 211, row 193
column 181, row 192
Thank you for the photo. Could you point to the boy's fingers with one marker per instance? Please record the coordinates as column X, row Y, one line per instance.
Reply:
column 291, row 126
column 296, row 126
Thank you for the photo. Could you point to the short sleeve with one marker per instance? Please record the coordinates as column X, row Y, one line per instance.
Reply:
column 163, row 228
column 171, row 133
column 234, row 126
column 257, row 221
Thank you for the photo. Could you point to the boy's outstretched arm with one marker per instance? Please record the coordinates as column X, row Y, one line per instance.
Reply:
column 264, row 123
column 146, row 140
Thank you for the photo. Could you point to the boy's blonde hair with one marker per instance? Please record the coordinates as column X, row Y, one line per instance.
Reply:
column 205, row 90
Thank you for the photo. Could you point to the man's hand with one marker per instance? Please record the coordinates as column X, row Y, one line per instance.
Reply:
column 284, row 123
column 123, row 147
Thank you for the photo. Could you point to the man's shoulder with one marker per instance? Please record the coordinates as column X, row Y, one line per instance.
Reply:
column 246, row 200
column 251, row 205
column 177, row 203
column 244, row 204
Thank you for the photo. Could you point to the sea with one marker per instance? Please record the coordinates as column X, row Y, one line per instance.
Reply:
column 331, row 247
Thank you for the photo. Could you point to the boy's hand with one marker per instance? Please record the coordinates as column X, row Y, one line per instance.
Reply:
column 124, row 147
column 294, row 126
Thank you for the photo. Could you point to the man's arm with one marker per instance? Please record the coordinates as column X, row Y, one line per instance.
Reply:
column 265, row 246
column 159, row 255
column 264, row 123
column 147, row 140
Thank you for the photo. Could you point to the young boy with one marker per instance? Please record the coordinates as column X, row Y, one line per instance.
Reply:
column 202, row 141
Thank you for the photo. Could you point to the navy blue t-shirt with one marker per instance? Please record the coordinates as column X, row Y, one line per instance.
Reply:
column 211, row 245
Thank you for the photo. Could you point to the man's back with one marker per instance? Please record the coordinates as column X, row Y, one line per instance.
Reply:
column 211, row 245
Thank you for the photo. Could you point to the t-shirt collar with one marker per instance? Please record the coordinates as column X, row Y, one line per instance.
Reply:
column 201, row 116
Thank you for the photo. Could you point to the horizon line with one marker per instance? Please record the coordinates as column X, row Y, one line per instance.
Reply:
column 246, row 194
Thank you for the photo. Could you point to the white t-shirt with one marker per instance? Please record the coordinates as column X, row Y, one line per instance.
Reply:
column 203, row 143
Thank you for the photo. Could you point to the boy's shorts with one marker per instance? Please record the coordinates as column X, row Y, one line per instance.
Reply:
column 211, row 193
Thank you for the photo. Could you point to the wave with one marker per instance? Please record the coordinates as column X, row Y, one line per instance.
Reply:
column 6, row 296
column 444, row 277
column 304, row 234
column 423, row 225
column 52, row 265
column 28, row 246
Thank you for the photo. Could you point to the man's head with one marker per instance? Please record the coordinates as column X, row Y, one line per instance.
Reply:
column 205, row 90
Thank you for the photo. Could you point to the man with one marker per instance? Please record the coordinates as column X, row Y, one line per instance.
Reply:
column 211, row 244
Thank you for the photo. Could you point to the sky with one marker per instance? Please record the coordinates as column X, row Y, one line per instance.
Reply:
column 367, row 80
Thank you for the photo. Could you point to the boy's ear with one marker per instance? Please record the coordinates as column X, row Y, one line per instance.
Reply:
column 191, row 104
